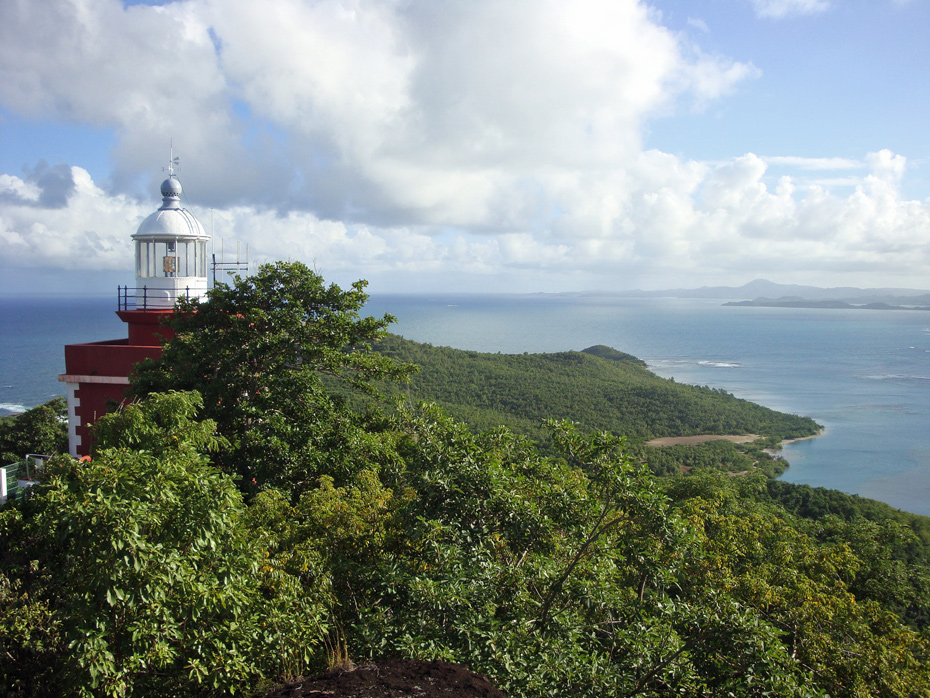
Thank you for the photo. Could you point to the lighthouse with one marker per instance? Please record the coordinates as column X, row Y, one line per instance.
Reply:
column 171, row 262
column 171, row 253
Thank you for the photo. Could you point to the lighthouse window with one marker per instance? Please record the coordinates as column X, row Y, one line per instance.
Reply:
column 152, row 259
column 201, row 259
column 155, row 258
column 181, row 265
column 145, row 259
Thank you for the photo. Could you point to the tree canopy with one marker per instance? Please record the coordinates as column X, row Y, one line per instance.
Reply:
column 136, row 574
column 42, row 429
column 256, row 350
column 328, row 535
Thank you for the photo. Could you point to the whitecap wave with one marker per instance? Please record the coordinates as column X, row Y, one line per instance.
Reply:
column 669, row 364
column 664, row 364
column 12, row 408
column 897, row 377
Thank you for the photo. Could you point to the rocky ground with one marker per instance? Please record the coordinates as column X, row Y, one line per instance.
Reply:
column 392, row 678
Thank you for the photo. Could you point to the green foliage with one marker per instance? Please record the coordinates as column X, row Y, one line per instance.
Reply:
column 575, row 571
column 818, row 502
column 605, row 352
column 135, row 574
column 42, row 429
column 511, row 562
column 718, row 454
column 893, row 545
column 162, row 424
column 580, row 576
column 755, row 554
column 256, row 351
column 601, row 389
column 30, row 638
column 577, row 575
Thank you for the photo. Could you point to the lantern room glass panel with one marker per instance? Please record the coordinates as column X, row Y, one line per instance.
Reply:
column 159, row 258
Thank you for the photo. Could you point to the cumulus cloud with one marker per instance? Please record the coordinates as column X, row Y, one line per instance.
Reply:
column 376, row 111
column 44, row 186
column 667, row 219
column 88, row 230
column 451, row 141
column 15, row 190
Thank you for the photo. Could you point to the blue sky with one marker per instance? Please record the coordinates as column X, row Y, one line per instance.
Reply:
column 525, row 145
column 840, row 82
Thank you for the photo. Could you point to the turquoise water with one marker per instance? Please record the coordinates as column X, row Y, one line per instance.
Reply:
column 864, row 375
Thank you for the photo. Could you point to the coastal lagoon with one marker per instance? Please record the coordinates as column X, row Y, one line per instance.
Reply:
column 863, row 374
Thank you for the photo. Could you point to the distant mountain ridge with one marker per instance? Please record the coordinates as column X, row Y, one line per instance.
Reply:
column 761, row 288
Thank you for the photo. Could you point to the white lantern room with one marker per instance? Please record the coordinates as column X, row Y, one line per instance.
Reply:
column 171, row 253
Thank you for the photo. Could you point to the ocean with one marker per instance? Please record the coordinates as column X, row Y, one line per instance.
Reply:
column 863, row 374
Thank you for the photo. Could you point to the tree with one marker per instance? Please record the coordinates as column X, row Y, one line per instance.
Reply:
column 258, row 351
column 753, row 555
column 136, row 574
column 42, row 429
column 555, row 576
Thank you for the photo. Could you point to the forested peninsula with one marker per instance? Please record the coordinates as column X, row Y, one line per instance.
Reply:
column 295, row 489
column 599, row 389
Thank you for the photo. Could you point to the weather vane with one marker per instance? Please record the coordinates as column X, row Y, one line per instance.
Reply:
column 172, row 161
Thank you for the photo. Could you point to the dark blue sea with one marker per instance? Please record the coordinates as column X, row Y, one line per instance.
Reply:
column 863, row 374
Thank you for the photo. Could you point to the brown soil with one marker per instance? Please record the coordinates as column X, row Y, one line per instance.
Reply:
column 392, row 678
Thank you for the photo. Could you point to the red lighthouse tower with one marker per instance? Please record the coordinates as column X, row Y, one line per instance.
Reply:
column 171, row 261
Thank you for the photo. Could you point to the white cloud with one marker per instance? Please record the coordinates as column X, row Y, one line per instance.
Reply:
column 90, row 232
column 148, row 71
column 454, row 141
column 804, row 163
column 383, row 111
column 13, row 187
column 778, row 9
column 698, row 24
column 667, row 219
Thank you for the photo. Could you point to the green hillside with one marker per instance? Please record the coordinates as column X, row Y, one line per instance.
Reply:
column 600, row 388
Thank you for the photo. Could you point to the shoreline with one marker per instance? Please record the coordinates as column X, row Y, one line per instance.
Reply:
column 803, row 438
column 774, row 452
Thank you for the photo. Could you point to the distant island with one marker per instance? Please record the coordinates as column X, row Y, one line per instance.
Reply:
column 767, row 294
column 792, row 302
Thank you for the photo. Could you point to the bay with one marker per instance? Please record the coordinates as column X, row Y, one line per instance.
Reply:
column 864, row 375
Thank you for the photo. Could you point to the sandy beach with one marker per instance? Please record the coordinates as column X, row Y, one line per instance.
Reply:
column 735, row 438
column 701, row 438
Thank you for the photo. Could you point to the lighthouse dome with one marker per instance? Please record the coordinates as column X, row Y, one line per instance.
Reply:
column 171, row 220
